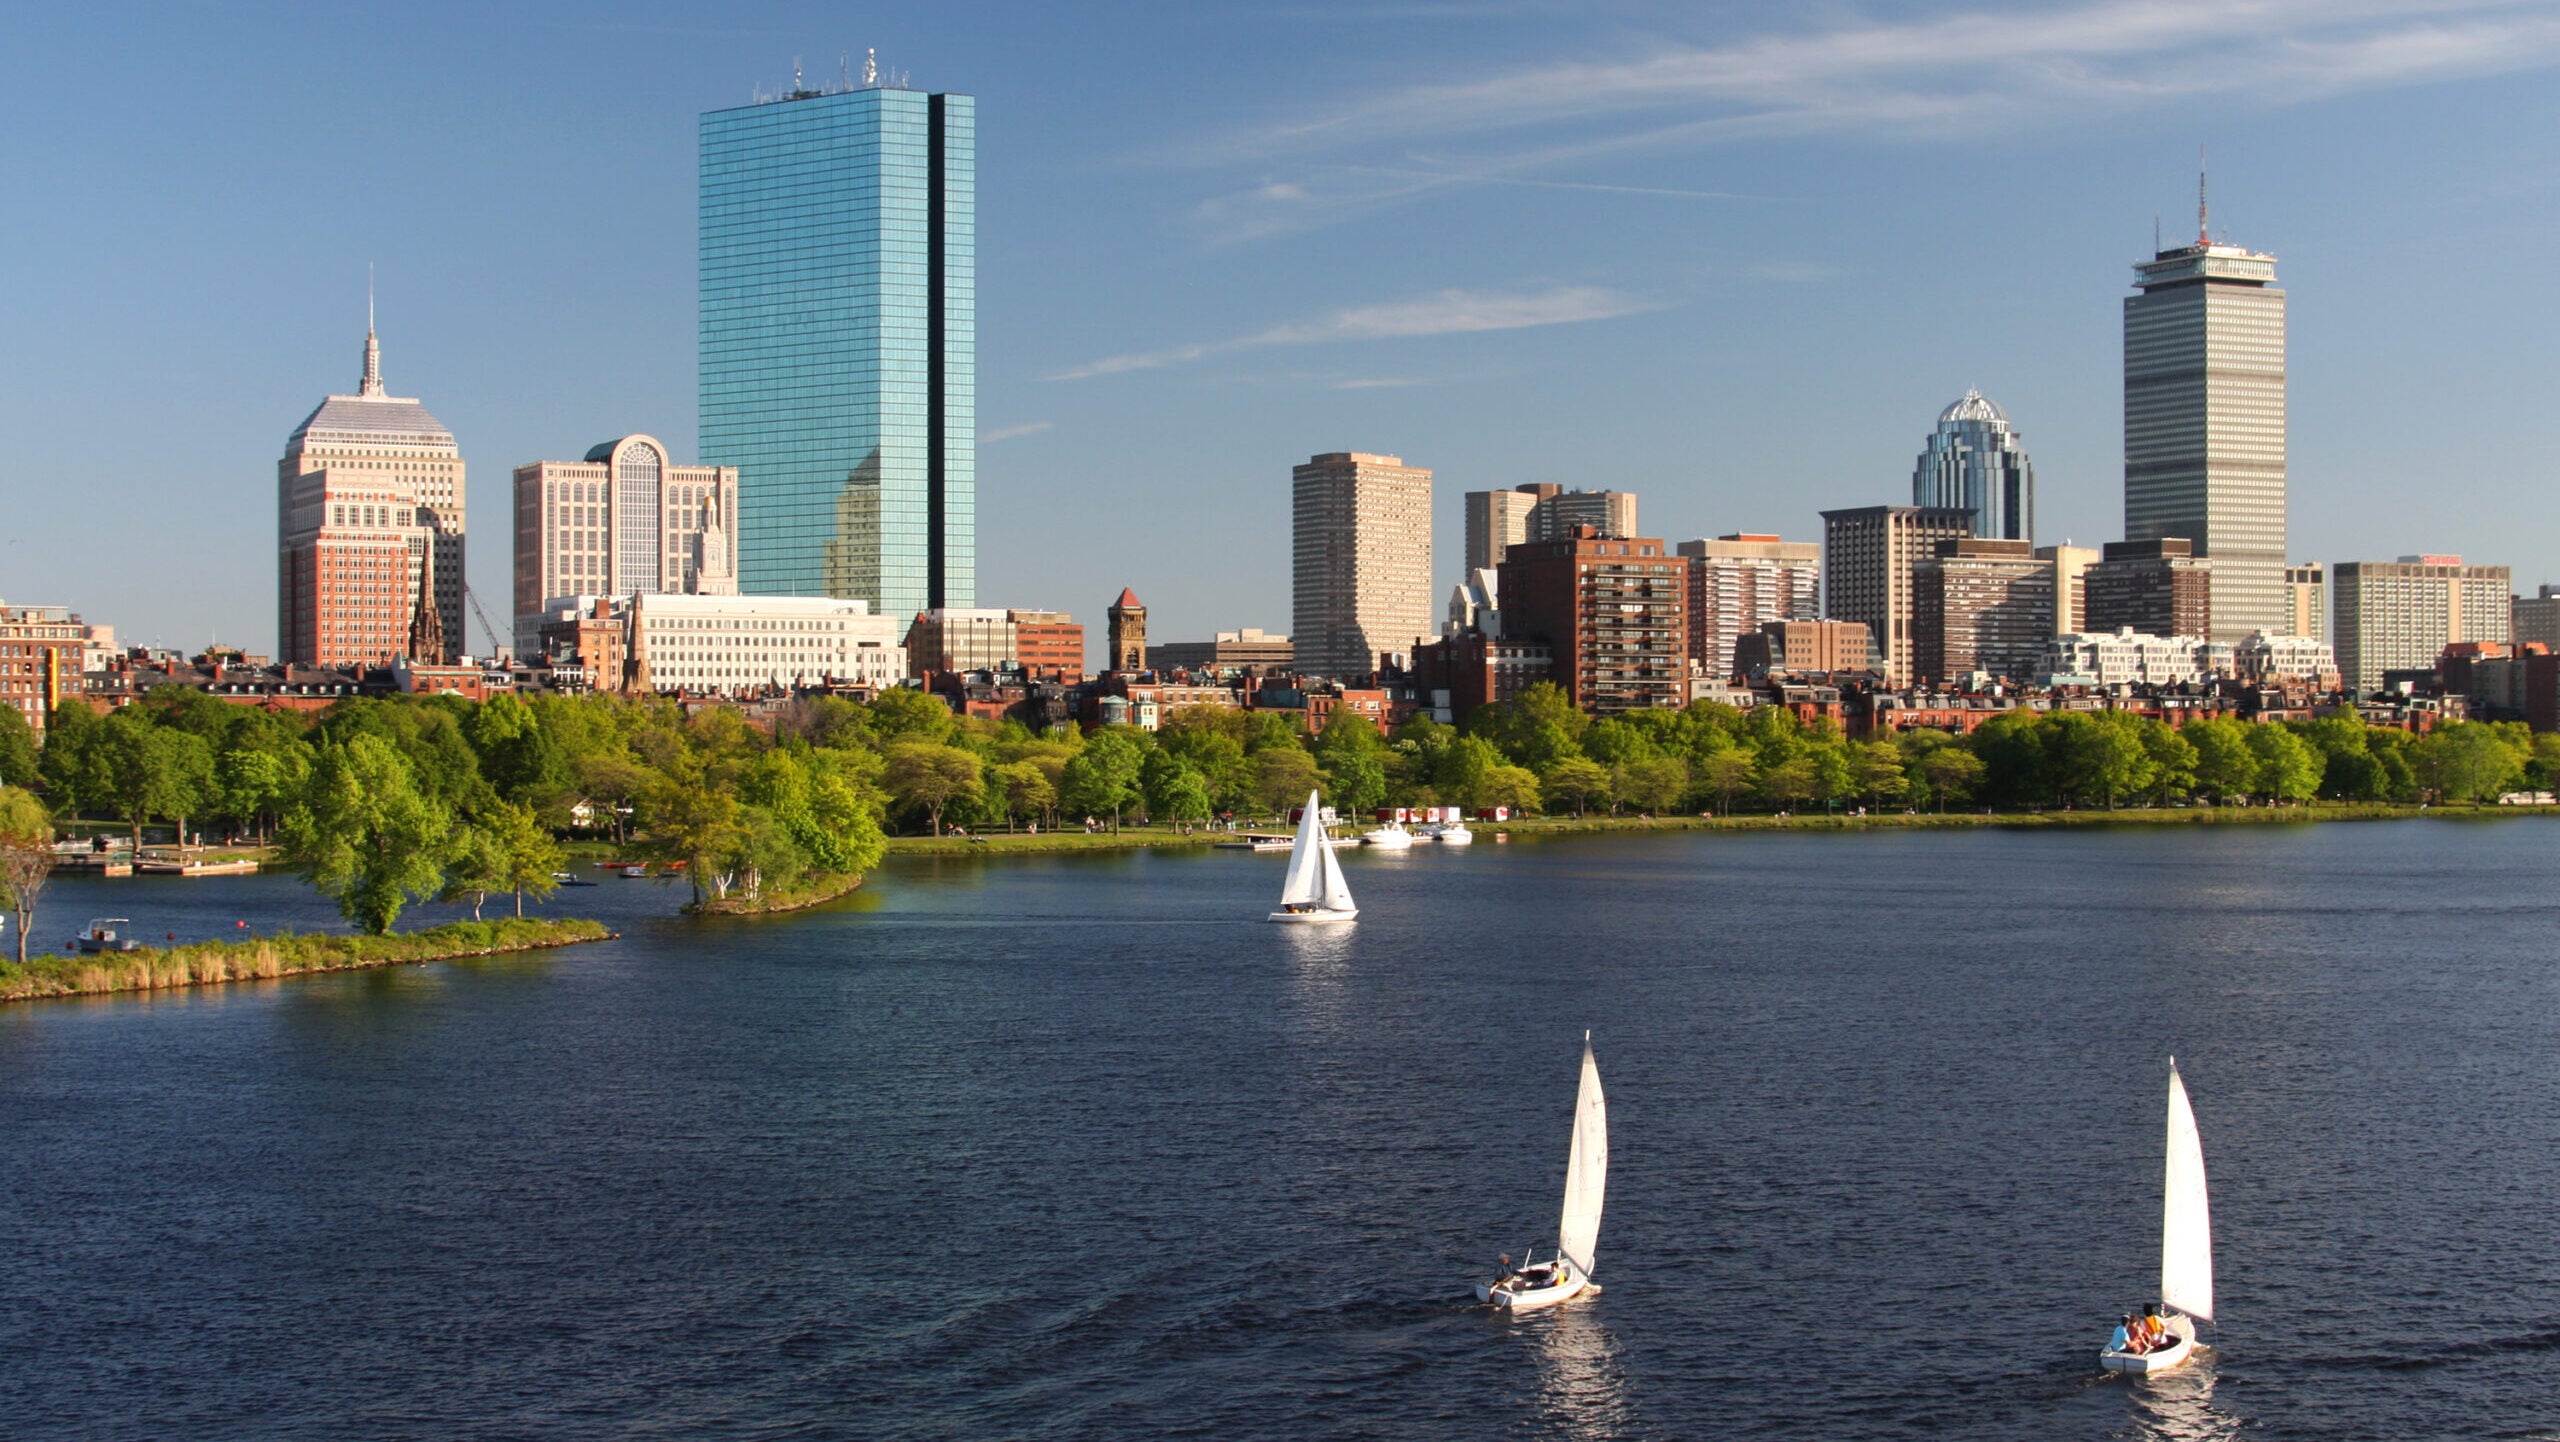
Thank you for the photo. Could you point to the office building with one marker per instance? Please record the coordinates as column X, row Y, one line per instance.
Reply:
column 625, row 521
column 1980, row 607
column 43, row 655
column 2153, row 588
column 838, row 336
column 1361, row 562
column 1049, row 644
column 1128, row 623
column 952, row 639
column 1868, row 556
column 2070, row 585
column 1561, row 514
column 1497, row 521
column 1613, row 613
column 1249, row 650
column 1973, row 462
column 734, row 644
column 1740, row 581
column 2268, row 657
column 2306, row 587
column 2204, row 422
column 1804, row 647
column 2536, row 618
column 2401, row 615
column 369, row 485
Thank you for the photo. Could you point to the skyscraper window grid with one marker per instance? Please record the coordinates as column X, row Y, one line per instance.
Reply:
column 838, row 340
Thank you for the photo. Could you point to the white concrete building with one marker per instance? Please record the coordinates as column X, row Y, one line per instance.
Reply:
column 749, row 643
column 2130, row 658
column 2267, row 656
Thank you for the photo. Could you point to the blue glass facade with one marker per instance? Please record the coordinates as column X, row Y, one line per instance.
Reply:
column 838, row 363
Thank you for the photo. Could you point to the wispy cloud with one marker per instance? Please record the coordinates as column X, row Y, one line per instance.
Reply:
column 1448, row 312
column 1950, row 76
column 1007, row 433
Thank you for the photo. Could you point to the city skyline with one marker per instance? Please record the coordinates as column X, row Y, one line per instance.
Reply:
column 1165, row 337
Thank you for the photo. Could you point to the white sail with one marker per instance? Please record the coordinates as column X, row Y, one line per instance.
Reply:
column 2186, row 1228
column 1586, row 1175
column 1305, row 881
column 1336, row 892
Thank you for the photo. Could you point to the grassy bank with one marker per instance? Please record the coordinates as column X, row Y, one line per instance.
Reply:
column 1137, row 837
column 817, row 891
column 264, row 958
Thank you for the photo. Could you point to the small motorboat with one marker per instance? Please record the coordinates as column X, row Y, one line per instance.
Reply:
column 2186, row 1245
column 636, row 871
column 1390, row 837
column 1455, row 833
column 1586, row 1178
column 1314, row 889
column 105, row 933
column 570, row 878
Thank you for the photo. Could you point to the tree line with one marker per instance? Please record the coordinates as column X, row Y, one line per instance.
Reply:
column 383, row 802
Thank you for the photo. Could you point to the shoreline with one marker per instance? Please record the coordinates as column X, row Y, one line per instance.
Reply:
column 1149, row 838
column 832, row 889
column 215, row 963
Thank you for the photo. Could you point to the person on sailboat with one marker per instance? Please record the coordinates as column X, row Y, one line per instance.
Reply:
column 2122, row 1339
column 1504, row 1272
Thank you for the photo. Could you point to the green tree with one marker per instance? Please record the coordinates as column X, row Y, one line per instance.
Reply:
column 19, row 764
column 1954, row 773
column 2288, row 768
column 901, row 713
column 475, row 864
column 26, row 856
column 1513, row 786
column 1103, row 777
column 1651, row 783
column 2464, row 761
column 1357, row 778
column 1875, row 770
column 2100, row 755
column 2172, row 757
column 931, row 777
column 516, row 755
column 2017, row 768
column 1725, row 772
column 1575, row 781
column 1536, row 728
column 1029, row 794
column 2225, row 766
column 150, row 770
column 73, row 765
column 1184, row 798
column 365, row 835
column 1282, row 777
column 1788, row 784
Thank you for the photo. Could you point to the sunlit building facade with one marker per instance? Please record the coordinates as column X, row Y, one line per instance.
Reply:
column 838, row 336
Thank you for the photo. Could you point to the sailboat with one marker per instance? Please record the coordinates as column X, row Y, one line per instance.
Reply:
column 1586, row 1177
column 1314, row 890
column 2186, row 1245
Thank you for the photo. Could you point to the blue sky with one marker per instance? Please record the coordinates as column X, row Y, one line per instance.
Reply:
column 1732, row 257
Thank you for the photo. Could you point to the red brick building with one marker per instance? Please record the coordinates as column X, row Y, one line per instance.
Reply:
column 1612, row 611
column 1050, row 645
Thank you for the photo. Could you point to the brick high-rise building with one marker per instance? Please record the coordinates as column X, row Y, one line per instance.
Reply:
column 369, row 484
column 1361, row 563
column 1980, row 605
column 625, row 521
column 1804, row 647
column 1613, row 612
column 1739, row 581
column 2151, row 588
column 1049, row 644
column 2401, row 615
column 1868, row 555
column 41, row 660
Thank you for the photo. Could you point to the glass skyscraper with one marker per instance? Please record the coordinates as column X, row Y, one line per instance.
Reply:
column 839, row 341
column 1973, row 462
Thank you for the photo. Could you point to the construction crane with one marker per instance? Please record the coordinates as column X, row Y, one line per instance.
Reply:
column 496, row 648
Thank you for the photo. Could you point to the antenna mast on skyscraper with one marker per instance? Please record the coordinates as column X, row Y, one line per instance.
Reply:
column 871, row 68
column 2204, row 233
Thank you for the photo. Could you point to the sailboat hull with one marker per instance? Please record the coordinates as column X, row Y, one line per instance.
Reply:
column 2180, row 1351
column 1533, row 1299
column 1312, row 917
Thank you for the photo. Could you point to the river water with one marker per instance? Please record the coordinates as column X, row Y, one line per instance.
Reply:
column 1079, row 1147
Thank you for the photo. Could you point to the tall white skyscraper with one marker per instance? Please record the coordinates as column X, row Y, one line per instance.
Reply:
column 2204, row 435
column 1362, row 561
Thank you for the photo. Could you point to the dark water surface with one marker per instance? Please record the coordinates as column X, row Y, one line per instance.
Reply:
column 1081, row 1148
